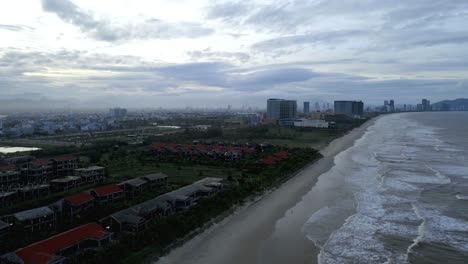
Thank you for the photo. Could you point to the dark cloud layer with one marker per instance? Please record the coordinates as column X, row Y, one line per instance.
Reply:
column 106, row 30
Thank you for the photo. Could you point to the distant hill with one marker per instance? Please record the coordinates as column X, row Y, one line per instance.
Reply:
column 457, row 104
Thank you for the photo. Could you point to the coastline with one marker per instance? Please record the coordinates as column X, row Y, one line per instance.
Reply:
column 238, row 237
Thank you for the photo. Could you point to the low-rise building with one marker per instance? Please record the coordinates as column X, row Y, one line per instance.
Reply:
column 311, row 123
column 91, row 175
column 29, row 192
column 63, row 165
column 42, row 218
column 108, row 193
column 156, row 180
column 133, row 187
column 78, row 204
column 9, row 176
column 65, row 183
column 56, row 249
column 37, row 171
column 8, row 198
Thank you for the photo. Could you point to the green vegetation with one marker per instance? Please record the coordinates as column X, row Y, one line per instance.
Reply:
column 163, row 233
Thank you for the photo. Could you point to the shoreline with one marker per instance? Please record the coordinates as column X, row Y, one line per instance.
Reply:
column 238, row 237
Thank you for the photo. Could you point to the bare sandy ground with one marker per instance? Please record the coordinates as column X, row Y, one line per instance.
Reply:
column 239, row 238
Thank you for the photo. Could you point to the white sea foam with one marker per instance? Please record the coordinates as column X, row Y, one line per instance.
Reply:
column 461, row 197
column 390, row 170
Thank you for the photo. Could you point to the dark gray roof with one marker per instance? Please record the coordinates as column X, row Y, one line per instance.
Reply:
column 135, row 182
column 33, row 213
column 66, row 179
column 92, row 168
column 155, row 176
column 128, row 216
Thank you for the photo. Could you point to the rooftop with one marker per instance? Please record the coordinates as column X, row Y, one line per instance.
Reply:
column 64, row 158
column 40, row 162
column 135, row 182
column 66, row 179
column 107, row 189
column 33, row 213
column 155, row 176
column 79, row 198
column 92, row 168
column 45, row 250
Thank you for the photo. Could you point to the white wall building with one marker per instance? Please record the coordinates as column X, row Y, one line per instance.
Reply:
column 311, row 123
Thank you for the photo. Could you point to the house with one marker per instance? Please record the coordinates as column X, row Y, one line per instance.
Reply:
column 127, row 221
column 29, row 192
column 37, row 171
column 56, row 249
column 42, row 218
column 65, row 183
column 187, row 196
column 133, row 187
column 78, row 204
column 108, row 193
column 63, row 165
column 156, row 180
column 9, row 176
column 270, row 160
column 91, row 175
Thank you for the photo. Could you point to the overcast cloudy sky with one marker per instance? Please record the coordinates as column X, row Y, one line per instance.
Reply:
column 178, row 53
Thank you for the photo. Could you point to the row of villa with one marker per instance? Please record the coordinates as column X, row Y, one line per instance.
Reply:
column 92, row 236
column 79, row 204
column 33, row 180
column 215, row 151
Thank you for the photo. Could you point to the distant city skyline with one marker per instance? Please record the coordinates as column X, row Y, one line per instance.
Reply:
column 176, row 54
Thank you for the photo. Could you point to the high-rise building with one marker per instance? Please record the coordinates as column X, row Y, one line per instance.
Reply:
column 426, row 105
column 349, row 108
column 306, row 107
column 281, row 109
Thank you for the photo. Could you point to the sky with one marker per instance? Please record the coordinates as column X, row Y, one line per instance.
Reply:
column 190, row 53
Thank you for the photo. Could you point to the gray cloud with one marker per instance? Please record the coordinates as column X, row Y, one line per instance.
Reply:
column 15, row 27
column 311, row 38
column 106, row 30
column 220, row 55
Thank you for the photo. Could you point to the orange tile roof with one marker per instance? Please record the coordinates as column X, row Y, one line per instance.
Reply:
column 107, row 189
column 64, row 158
column 79, row 198
column 7, row 168
column 45, row 250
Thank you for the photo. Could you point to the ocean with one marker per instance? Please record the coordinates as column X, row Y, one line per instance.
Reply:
column 407, row 178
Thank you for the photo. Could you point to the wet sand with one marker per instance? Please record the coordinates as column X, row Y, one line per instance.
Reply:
column 246, row 236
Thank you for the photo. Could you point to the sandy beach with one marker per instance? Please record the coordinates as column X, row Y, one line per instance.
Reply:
column 246, row 236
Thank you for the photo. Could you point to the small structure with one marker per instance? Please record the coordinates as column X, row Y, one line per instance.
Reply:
column 108, row 194
column 42, row 218
column 91, row 175
column 56, row 249
column 78, row 204
column 156, row 180
column 65, row 183
column 133, row 187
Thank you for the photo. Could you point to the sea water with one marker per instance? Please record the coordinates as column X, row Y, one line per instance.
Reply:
column 408, row 180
